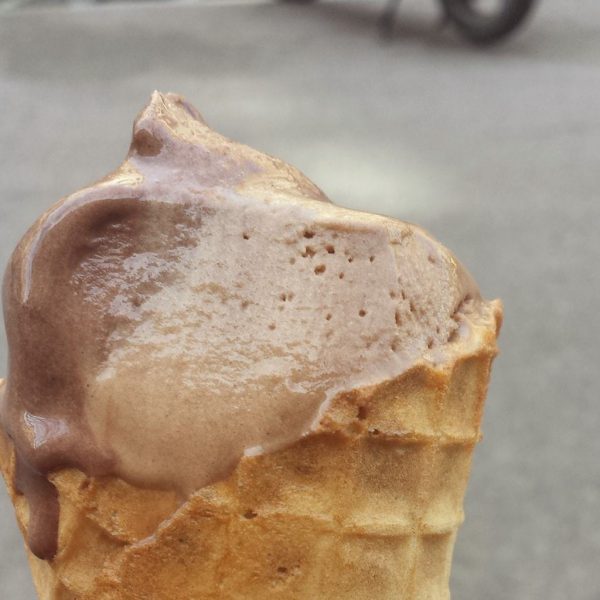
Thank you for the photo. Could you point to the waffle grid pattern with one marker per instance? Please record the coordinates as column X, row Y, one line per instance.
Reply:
column 368, row 507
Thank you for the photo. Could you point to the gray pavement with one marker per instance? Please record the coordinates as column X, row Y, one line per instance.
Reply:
column 496, row 152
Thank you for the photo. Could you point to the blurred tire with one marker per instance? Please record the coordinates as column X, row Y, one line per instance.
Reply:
column 485, row 28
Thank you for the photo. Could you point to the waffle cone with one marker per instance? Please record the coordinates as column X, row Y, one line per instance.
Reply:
column 367, row 506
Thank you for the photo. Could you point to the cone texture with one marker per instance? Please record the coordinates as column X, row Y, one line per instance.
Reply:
column 367, row 507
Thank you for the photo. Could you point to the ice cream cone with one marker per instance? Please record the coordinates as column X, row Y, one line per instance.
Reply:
column 222, row 386
column 367, row 506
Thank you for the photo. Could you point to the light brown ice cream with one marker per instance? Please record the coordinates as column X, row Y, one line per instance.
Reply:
column 203, row 302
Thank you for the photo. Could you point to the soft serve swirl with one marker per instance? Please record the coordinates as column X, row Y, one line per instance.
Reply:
column 201, row 302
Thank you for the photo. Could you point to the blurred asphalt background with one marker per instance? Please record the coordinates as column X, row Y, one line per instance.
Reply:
column 497, row 152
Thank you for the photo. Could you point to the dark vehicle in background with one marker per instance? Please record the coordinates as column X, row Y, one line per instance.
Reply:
column 479, row 21
column 486, row 21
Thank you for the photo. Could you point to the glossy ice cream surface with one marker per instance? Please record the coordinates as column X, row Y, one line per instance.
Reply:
column 203, row 302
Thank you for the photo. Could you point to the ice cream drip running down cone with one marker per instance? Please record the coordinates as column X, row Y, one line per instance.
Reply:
column 221, row 385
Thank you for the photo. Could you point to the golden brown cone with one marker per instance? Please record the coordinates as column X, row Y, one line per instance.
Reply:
column 366, row 507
